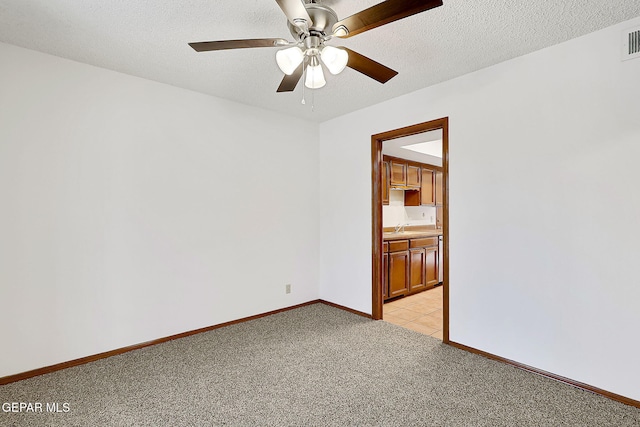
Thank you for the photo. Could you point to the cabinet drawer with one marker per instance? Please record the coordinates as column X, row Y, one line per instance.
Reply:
column 385, row 247
column 398, row 245
column 424, row 241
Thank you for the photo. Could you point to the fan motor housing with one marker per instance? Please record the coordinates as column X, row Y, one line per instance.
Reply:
column 323, row 17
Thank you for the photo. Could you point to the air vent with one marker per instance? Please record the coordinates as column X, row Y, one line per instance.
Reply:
column 631, row 44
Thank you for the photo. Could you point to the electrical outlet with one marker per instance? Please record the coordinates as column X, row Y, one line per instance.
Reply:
column 431, row 218
column 287, row 289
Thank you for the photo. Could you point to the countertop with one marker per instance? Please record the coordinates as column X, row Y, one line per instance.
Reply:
column 411, row 234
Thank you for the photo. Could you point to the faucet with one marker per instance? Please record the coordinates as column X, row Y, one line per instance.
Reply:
column 400, row 228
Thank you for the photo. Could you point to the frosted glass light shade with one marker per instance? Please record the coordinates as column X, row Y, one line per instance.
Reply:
column 315, row 77
column 289, row 59
column 335, row 59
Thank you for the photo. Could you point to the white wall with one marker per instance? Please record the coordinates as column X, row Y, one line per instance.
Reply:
column 544, row 206
column 132, row 210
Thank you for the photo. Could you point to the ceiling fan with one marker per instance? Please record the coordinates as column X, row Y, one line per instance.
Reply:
column 312, row 25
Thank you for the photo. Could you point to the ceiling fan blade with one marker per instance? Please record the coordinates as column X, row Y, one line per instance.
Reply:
column 289, row 83
column 369, row 67
column 237, row 44
column 295, row 10
column 381, row 14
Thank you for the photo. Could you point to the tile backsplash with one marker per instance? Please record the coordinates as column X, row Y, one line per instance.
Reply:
column 396, row 213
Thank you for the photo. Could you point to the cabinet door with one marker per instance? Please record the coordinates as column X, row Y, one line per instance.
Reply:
column 431, row 266
column 386, row 181
column 427, row 193
column 398, row 273
column 385, row 276
column 398, row 173
column 417, row 280
column 413, row 176
column 438, row 188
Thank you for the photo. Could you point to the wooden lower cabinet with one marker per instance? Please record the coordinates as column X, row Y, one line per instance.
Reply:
column 417, row 280
column 431, row 267
column 409, row 266
column 385, row 276
column 398, row 273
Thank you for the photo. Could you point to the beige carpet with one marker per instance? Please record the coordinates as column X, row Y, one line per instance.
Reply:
column 313, row 366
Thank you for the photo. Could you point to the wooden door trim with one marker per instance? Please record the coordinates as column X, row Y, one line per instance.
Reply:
column 376, row 212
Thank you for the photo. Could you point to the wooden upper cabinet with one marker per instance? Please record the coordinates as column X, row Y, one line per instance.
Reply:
column 439, row 188
column 422, row 185
column 398, row 173
column 427, row 188
column 413, row 176
column 386, row 182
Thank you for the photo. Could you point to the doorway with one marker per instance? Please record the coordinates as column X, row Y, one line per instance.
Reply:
column 377, row 142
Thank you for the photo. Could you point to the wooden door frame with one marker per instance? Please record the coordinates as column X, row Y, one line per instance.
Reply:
column 376, row 212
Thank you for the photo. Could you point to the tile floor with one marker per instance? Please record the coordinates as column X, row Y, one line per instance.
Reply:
column 420, row 312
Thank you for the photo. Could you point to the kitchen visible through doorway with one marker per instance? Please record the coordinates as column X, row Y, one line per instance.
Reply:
column 420, row 312
column 382, row 288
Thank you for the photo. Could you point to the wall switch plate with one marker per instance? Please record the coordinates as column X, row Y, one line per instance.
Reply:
column 287, row 289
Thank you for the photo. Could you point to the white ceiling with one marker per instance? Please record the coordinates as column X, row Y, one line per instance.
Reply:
column 149, row 39
column 393, row 147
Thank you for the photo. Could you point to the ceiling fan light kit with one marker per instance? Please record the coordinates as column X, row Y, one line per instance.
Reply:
column 289, row 59
column 312, row 25
column 335, row 59
column 315, row 76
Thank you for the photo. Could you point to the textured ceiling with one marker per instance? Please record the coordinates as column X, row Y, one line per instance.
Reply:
column 149, row 39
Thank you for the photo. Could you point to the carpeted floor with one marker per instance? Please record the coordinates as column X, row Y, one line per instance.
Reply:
column 313, row 366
